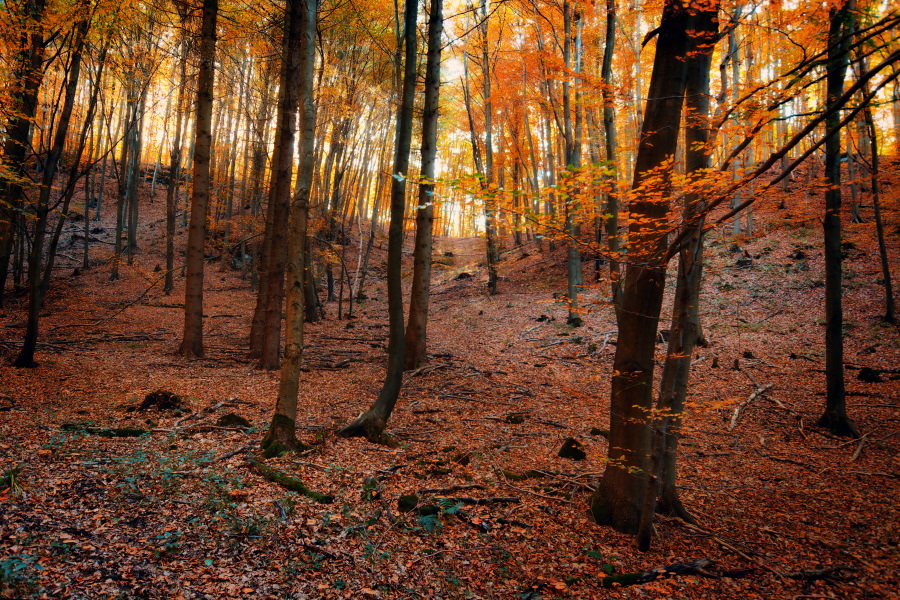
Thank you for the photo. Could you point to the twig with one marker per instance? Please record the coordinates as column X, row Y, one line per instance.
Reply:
column 859, row 449
column 750, row 398
column 228, row 455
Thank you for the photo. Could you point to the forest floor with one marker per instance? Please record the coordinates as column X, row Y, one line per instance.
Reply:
column 785, row 510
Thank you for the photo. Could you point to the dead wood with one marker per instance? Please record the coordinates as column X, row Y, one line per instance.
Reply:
column 287, row 482
column 452, row 488
column 824, row 573
column 859, row 448
column 737, row 411
column 648, row 576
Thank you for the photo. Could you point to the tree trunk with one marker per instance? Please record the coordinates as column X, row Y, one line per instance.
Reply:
column 29, row 74
column 42, row 209
column 279, row 196
column 371, row 423
column 835, row 415
column 281, row 434
column 685, row 328
column 416, row 332
column 619, row 496
column 192, row 343
column 612, row 150
column 174, row 162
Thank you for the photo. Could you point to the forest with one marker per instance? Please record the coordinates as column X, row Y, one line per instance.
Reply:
column 509, row 299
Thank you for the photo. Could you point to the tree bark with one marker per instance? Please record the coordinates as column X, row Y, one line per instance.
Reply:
column 29, row 75
column 416, row 332
column 192, row 342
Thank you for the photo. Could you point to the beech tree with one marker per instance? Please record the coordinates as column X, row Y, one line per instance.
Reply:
column 416, row 332
column 619, row 496
column 192, row 342
column 282, row 431
column 372, row 422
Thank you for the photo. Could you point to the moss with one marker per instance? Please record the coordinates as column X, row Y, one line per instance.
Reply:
column 289, row 483
column 281, row 438
column 601, row 508
column 161, row 400
column 572, row 449
column 274, row 448
column 515, row 418
column 623, row 579
column 407, row 503
column 601, row 432
column 233, row 420
column 430, row 510
column 513, row 476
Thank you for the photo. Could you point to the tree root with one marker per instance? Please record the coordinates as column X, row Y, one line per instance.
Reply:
column 289, row 483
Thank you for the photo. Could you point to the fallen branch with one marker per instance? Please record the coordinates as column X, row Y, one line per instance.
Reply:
column 287, row 482
column 452, row 488
column 737, row 411
column 228, row 455
column 483, row 501
column 859, row 449
column 825, row 573
column 647, row 576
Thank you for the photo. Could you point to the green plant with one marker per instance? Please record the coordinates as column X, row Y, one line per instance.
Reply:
column 17, row 575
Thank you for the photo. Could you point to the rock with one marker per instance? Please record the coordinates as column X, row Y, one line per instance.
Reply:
column 233, row 420
column 744, row 263
column 869, row 375
column 572, row 449
column 463, row 276
column 161, row 400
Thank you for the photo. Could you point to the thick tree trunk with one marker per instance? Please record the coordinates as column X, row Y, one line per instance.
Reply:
column 192, row 343
column 416, row 332
column 685, row 327
column 835, row 415
column 281, row 434
column 372, row 422
column 618, row 499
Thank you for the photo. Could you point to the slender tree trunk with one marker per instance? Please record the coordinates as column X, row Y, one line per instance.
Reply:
column 192, row 343
column 416, row 332
column 612, row 150
column 29, row 75
column 42, row 209
column 174, row 175
column 835, row 416
column 371, row 423
column 282, row 431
